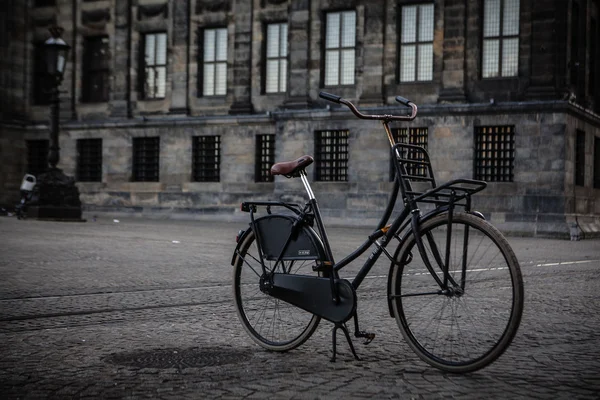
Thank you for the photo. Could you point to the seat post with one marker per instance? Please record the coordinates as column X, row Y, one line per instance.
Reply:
column 304, row 179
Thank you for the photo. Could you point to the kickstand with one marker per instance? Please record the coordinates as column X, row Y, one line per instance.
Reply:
column 334, row 340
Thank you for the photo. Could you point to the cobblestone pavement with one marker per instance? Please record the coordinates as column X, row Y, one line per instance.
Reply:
column 143, row 308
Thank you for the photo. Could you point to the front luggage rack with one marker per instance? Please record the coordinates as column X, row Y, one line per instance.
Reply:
column 413, row 166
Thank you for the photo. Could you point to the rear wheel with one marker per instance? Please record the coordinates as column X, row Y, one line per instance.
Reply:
column 270, row 322
column 469, row 325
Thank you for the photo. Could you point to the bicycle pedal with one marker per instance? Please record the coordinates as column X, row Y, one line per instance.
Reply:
column 368, row 336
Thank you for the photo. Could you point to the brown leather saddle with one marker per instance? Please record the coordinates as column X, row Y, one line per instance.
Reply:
column 291, row 169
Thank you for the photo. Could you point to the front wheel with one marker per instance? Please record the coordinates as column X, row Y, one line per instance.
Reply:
column 270, row 322
column 470, row 323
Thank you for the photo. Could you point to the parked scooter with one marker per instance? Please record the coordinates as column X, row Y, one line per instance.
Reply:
column 27, row 186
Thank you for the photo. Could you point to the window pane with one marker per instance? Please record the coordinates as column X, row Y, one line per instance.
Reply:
column 221, row 53
column 333, row 30
column 407, row 63
column 491, row 49
column 349, row 29
column 161, row 49
column 510, row 57
column 150, row 45
column 272, row 82
column 510, row 25
column 332, row 69
column 491, row 18
column 209, row 45
column 347, row 72
column 209, row 79
column 425, row 62
column 426, row 23
column 161, row 81
column 283, row 33
column 273, row 40
column 221, row 79
column 409, row 24
column 283, row 75
column 150, row 79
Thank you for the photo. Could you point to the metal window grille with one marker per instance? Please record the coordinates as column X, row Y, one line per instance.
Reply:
column 494, row 153
column 214, row 78
column 340, row 42
column 500, row 38
column 265, row 157
column 89, row 160
column 146, row 155
column 206, row 154
column 416, row 43
column 596, row 163
column 155, row 65
column 95, row 69
column 416, row 136
column 331, row 155
column 276, row 58
column 580, row 158
column 37, row 156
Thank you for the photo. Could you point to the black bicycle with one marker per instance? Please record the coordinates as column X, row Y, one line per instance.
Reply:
column 454, row 283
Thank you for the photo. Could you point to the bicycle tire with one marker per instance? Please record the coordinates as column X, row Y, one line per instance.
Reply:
column 458, row 332
column 270, row 322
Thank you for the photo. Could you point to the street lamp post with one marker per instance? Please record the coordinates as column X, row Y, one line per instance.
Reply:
column 55, row 195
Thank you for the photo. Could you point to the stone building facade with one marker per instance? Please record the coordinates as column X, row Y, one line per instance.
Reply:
column 177, row 107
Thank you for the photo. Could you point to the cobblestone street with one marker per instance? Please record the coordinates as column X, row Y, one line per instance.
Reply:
column 144, row 308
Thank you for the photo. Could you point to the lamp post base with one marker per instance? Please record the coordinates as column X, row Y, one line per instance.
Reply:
column 55, row 197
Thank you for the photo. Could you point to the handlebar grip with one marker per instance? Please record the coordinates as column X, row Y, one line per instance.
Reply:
column 330, row 97
column 402, row 100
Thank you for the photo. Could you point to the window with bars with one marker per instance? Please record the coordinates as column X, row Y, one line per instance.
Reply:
column 41, row 83
column 146, row 155
column 265, row 157
column 89, row 160
column 214, row 71
column 340, row 42
column 494, row 153
column 580, row 158
column 37, row 156
column 276, row 58
column 416, row 136
column 155, row 66
column 500, row 56
column 416, row 43
column 206, row 158
column 596, row 163
column 95, row 69
column 331, row 155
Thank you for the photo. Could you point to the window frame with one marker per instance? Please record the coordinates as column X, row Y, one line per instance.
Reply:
column 579, row 158
column 202, row 63
column 501, row 38
column 490, row 162
column 417, row 44
column 155, row 66
column 282, row 76
column 200, row 172
column 145, row 166
column 89, row 165
column 90, row 70
column 340, row 49
column 329, row 166
column 264, row 157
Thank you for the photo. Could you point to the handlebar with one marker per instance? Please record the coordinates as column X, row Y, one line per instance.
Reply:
column 385, row 117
